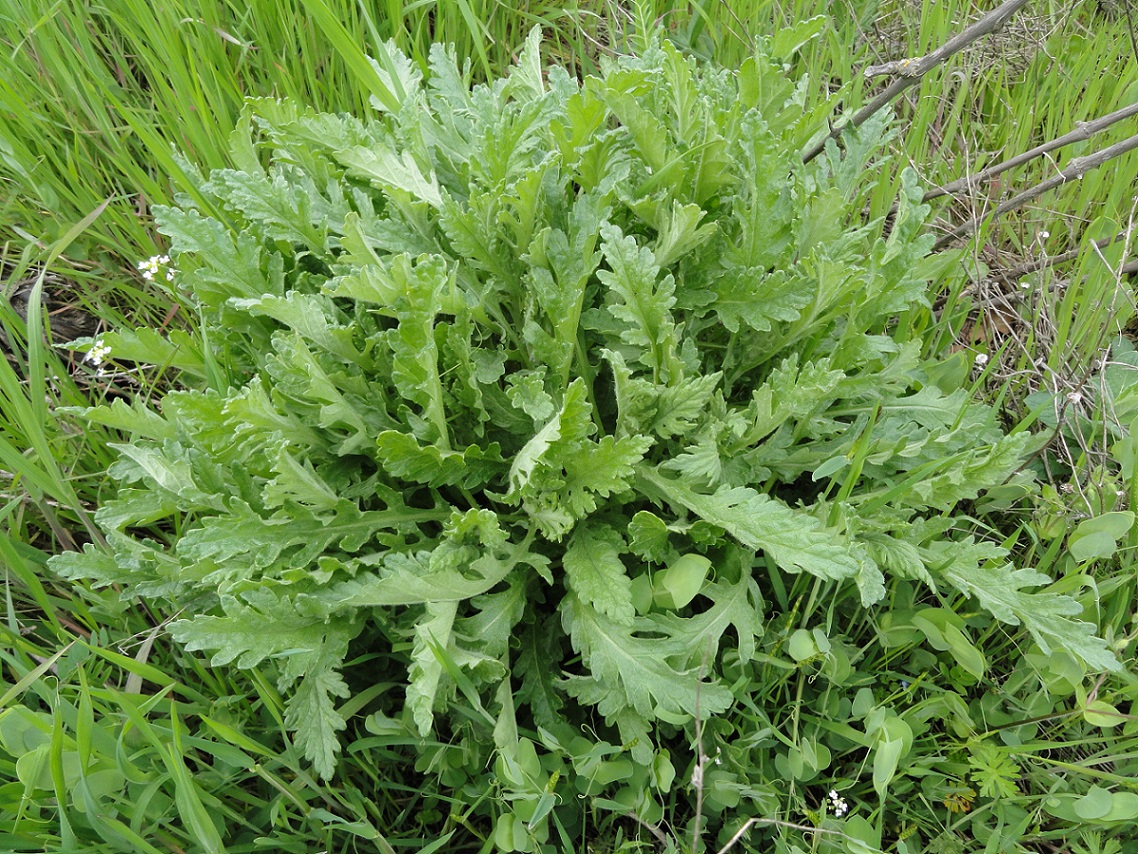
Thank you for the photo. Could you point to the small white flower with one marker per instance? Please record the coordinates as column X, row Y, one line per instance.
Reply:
column 1074, row 397
column 1043, row 235
column 838, row 803
column 981, row 359
column 98, row 353
column 1025, row 285
column 153, row 265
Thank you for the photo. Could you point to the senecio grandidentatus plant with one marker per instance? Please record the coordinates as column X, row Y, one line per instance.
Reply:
column 532, row 397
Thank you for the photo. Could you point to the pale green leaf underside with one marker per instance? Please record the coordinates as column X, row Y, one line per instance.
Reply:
column 431, row 632
column 628, row 672
column 411, row 580
column 596, row 574
column 980, row 570
column 795, row 539
column 312, row 714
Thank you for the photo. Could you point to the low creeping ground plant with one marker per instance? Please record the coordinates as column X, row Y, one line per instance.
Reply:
column 534, row 398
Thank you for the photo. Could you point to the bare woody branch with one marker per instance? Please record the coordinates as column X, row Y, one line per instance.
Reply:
column 1078, row 167
column 1083, row 130
column 910, row 71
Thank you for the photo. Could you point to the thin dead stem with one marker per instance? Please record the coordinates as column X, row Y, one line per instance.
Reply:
column 1076, row 169
column 700, row 757
column 1046, row 261
column 751, row 822
column 1082, row 131
column 910, row 71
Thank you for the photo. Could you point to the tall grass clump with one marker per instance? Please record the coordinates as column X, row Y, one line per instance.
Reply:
column 98, row 95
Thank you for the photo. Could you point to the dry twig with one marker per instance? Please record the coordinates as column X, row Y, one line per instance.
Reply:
column 701, row 758
column 1082, row 131
column 910, row 71
column 751, row 822
column 1078, row 167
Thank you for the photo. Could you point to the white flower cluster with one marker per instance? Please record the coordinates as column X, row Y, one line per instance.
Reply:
column 838, row 803
column 153, row 265
column 98, row 353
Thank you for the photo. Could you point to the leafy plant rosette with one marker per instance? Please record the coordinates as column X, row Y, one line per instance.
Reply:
column 534, row 397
